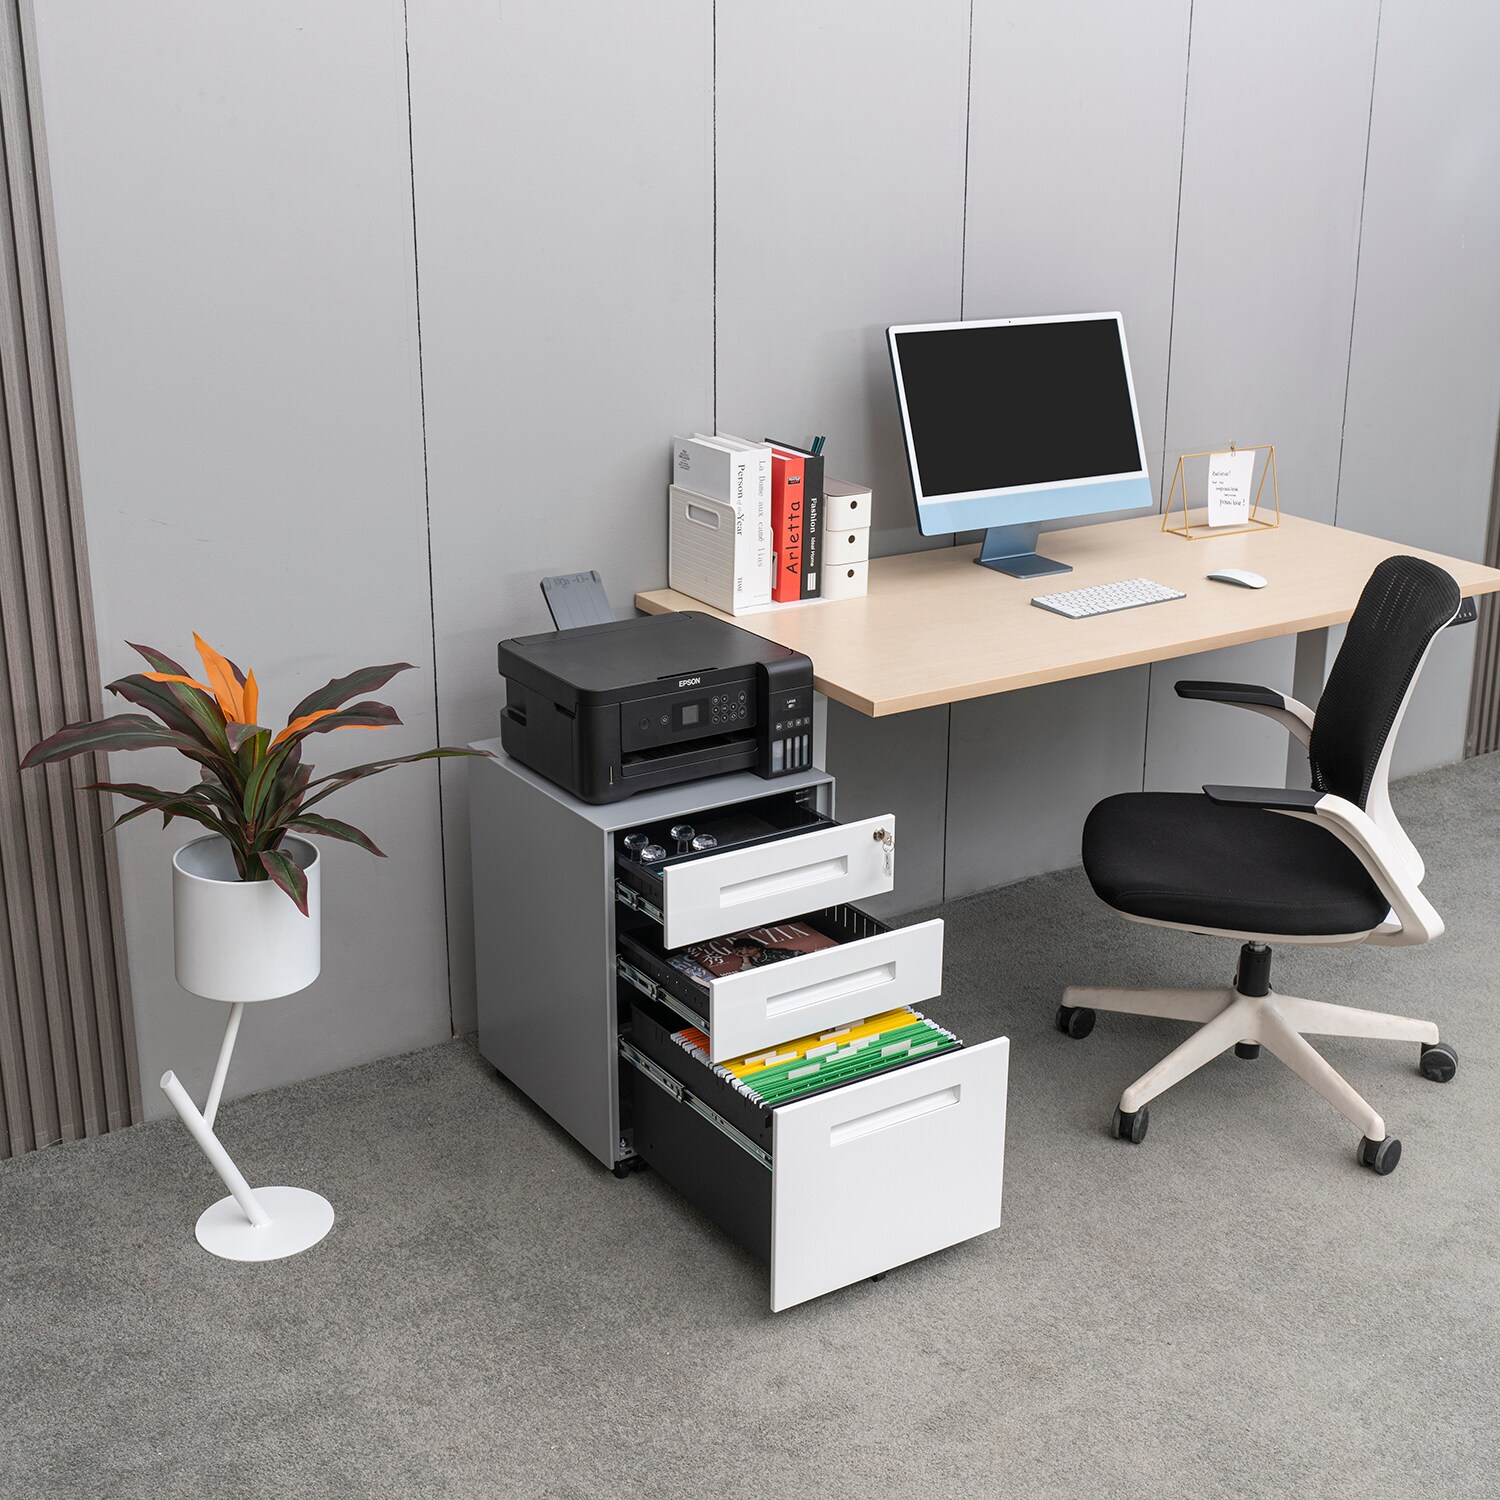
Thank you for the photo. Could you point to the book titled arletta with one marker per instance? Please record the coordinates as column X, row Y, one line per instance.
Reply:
column 751, row 949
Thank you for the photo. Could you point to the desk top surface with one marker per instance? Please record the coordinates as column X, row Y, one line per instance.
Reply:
column 936, row 629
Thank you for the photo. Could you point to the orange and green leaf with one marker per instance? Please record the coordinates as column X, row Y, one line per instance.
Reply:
column 221, row 676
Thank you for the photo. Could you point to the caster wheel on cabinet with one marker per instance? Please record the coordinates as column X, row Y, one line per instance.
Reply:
column 1247, row 1050
column 1132, row 1126
column 1380, row 1156
column 623, row 1169
column 1438, row 1062
column 1075, row 1021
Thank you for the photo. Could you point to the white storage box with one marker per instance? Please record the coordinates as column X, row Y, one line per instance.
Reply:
column 846, row 507
column 845, row 580
column 708, row 557
column 851, row 546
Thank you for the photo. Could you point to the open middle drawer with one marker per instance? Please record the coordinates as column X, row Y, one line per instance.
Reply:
column 774, row 858
column 871, row 968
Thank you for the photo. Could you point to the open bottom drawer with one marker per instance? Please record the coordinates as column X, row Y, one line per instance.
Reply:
column 871, row 968
column 838, row 1186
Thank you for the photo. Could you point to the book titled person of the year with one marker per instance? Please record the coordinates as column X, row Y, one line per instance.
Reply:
column 750, row 949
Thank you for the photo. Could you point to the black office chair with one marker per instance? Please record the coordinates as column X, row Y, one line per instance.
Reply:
column 1272, row 865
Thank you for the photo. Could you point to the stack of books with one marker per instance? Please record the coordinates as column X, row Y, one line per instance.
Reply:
column 752, row 524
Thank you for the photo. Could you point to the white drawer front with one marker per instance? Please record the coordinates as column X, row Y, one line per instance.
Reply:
column 757, row 1009
column 846, row 547
column 887, row 1170
column 706, row 898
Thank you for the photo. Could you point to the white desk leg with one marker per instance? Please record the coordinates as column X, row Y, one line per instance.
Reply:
column 1314, row 656
column 268, row 1223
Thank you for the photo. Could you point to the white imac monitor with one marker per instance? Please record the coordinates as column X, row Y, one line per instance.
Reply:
column 1013, row 422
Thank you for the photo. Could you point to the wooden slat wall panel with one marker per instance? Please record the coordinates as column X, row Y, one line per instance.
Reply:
column 67, row 1044
column 1483, row 733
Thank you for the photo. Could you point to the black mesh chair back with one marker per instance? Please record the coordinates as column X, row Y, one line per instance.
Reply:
column 1405, row 603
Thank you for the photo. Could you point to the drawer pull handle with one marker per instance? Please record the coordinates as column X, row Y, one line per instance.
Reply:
column 816, row 873
column 830, row 989
column 895, row 1114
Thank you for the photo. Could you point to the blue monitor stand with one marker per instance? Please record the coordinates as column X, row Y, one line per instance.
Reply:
column 1012, row 550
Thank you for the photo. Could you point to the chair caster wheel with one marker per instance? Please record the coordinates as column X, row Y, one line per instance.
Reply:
column 1075, row 1021
column 1438, row 1062
column 1248, row 1050
column 1380, row 1156
column 1130, row 1127
column 622, row 1169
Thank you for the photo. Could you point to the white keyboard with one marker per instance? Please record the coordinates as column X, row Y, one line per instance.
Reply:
column 1106, row 598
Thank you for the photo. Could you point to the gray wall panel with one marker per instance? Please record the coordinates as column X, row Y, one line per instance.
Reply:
column 233, row 205
column 1074, row 154
column 840, row 197
column 564, row 235
column 1272, row 175
column 1272, row 172
column 1424, row 380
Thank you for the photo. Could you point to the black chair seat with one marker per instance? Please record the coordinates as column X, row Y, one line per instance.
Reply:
column 1178, row 857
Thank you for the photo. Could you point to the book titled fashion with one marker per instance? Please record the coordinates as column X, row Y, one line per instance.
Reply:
column 751, row 949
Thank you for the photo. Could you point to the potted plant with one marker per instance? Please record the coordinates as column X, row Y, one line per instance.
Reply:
column 245, row 895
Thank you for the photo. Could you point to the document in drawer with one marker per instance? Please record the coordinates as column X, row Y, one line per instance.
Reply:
column 843, row 1055
column 751, row 949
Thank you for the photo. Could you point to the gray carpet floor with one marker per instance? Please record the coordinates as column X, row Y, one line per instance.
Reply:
column 1234, row 1308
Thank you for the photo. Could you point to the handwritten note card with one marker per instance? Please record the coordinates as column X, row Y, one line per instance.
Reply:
column 1229, row 476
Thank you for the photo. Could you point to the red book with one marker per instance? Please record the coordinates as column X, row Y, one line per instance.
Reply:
column 788, row 509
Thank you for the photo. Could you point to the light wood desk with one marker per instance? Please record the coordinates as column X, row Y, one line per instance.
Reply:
column 936, row 629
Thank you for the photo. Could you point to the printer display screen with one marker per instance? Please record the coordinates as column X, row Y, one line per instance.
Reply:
column 692, row 713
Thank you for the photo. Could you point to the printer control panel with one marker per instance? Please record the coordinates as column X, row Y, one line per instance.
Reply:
column 688, row 714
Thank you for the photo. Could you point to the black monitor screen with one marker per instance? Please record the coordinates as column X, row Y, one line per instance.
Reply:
column 993, row 406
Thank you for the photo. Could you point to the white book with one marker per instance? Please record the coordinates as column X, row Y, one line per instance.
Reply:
column 733, row 474
column 760, row 490
column 709, row 555
column 710, row 467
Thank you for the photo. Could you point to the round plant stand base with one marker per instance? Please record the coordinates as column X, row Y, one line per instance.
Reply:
column 298, row 1220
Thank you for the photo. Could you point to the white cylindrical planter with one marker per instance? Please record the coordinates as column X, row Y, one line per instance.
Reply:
column 242, row 941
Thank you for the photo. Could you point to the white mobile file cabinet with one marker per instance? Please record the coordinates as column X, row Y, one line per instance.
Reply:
column 578, row 1003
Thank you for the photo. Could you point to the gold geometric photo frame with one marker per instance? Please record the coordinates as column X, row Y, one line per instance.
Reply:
column 1256, row 521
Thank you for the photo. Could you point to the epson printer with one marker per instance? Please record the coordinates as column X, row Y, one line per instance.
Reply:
column 611, row 709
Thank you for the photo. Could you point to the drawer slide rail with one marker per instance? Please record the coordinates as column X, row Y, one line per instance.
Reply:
column 637, row 902
column 669, row 1085
column 653, row 991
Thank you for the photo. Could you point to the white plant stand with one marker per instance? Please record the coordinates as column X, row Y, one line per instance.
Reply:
column 242, row 942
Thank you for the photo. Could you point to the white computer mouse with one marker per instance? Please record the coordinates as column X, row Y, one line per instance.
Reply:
column 1241, row 576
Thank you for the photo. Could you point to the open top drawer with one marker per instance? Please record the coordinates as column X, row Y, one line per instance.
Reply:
column 772, row 859
column 871, row 968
